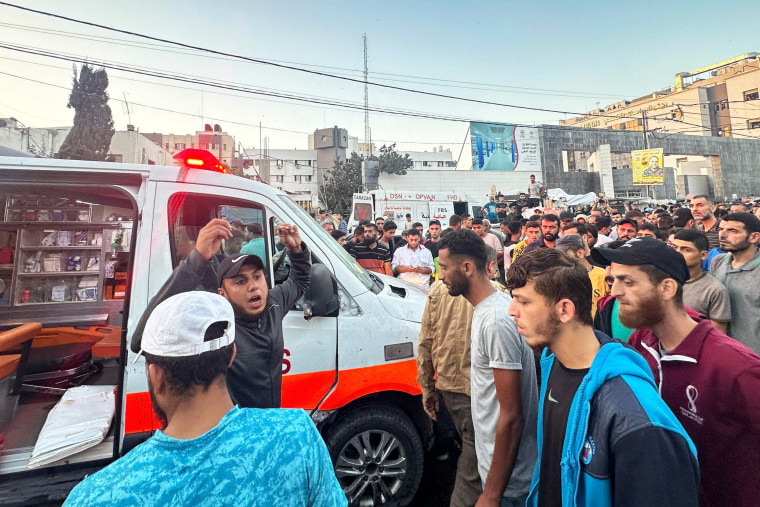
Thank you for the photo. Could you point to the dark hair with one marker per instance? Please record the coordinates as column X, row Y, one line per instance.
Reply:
column 408, row 215
column 750, row 221
column 184, row 374
column 532, row 223
column 455, row 220
column 465, row 216
column 634, row 213
column 646, row 226
column 434, row 222
column 364, row 222
column 602, row 222
column 337, row 234
column 370, row 226
column 593, row 230
column 412, row 232
column 380, row 218
column 694, row 236
column 551, row 217
column 465, row 243
column 656, row 275
column 359, row 230
column 389, row 225
column 417, row 224
column 581, row 228
column 477, row 221
column 535, row 218
column 681, row 217
column 514, row 227
column 720, row 213
column 555, row 276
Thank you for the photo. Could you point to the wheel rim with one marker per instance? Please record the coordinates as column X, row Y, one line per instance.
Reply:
column 371, row 467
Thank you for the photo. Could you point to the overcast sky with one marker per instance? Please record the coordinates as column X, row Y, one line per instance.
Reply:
column 560, row 55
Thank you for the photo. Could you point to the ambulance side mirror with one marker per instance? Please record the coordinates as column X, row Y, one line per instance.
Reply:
column 321, row 298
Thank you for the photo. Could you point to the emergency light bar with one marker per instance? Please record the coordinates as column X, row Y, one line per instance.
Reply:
column 199, row 159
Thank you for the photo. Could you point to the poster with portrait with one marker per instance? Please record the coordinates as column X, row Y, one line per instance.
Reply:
column 648, row 167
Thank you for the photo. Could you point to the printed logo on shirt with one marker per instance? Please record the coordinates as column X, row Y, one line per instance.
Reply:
column 589, row 447
column 691, row 397
column 551, row 398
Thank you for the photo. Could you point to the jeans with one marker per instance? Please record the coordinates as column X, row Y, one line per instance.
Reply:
column 514, row 502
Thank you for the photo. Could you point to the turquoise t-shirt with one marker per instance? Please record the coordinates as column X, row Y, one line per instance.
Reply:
column 253, row 457
column 256, row 246
column 619, row 331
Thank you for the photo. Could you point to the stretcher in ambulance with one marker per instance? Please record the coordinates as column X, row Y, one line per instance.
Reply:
column 87, row 244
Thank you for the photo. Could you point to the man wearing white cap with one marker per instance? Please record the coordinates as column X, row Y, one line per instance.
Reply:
column 210, row 451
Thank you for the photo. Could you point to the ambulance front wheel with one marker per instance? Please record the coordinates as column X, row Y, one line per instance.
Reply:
column 377, row 455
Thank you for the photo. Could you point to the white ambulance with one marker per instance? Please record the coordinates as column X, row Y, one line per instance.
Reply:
column 85, row 245
column 396, row 204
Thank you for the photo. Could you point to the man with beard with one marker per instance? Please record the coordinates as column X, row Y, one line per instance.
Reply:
column 371, row 254
column 701, row 209
column 255, row 377
column 709, row 380
column 502, row 375
column 605, row 437
column 549, row 233
column 626, row 229
column 413, row 262
column 443, row 372
column 356, row 239
column 739, row 271
column 209, row 450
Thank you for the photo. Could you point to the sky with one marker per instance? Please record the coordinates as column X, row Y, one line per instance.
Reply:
column 559, row 55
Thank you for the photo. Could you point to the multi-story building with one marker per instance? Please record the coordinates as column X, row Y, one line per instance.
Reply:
column 299, row 172
column 220, row 143
column 720, row 99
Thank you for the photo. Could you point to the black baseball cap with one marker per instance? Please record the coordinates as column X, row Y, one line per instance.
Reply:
column 230, row 266
column 629, row 221
column 642, row 251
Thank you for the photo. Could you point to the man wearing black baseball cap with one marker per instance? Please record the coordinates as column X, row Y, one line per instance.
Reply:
column 255, row 377
column 708, row 380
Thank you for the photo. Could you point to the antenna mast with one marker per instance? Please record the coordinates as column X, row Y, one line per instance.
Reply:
column 367, row 134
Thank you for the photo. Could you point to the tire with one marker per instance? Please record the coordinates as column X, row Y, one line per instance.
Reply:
column 377, row 455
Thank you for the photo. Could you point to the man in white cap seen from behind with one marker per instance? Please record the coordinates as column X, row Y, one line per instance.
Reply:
column 210, row 451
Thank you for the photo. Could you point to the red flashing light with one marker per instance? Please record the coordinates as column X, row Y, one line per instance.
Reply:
column 199, row 159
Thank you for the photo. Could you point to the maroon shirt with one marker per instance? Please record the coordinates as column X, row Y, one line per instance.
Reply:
column 712, row 384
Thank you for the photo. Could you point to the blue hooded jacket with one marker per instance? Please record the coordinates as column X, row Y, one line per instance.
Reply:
column 623, row 445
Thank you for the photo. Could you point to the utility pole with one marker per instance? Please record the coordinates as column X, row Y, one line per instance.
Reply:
column 646, row 143
column 367, row 135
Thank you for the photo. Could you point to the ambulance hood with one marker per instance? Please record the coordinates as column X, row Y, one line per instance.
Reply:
column 402, row 300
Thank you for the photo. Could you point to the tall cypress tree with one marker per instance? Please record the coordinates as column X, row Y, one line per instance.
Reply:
column 90, row 137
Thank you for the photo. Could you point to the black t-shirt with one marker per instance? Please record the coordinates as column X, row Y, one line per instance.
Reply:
column 560, row 390
column 501, row 210
column 432, row 246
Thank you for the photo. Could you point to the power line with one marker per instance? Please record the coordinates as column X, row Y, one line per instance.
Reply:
column 287, row 67
column 412, row 78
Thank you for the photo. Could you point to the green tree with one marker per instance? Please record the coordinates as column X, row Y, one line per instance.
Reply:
column 345, row 178
column 390, row 161
column 90, row 137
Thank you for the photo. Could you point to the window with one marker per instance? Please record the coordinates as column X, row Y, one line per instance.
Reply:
column 224, row 146
column 751, row 95
column 308, row 178
column 278, row 178
column 179, row 146
column 753, row 124
column 297, row 178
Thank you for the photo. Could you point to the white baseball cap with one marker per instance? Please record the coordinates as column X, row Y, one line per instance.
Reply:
column 177, row 327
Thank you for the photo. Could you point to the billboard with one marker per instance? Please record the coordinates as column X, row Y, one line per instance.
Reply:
column 647, row 167
column 504, row 147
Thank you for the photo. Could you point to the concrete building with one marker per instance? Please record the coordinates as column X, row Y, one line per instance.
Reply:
column 127, row 146
column 215, row 140
column 299, row 172
column 43, row 142
column 720, row 100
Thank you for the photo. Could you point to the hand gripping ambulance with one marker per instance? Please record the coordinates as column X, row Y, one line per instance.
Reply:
column 86, row 245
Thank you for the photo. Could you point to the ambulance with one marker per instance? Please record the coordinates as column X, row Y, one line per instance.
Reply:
column 396, row 204
column 86, row 245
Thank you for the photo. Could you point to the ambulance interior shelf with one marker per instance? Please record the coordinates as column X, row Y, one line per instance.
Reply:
column 68, row 257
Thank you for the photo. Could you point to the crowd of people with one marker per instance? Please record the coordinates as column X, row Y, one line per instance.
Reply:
column 598, row 358
column 645, row 331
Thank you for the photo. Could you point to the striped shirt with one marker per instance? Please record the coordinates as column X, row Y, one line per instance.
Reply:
column 371, row 259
